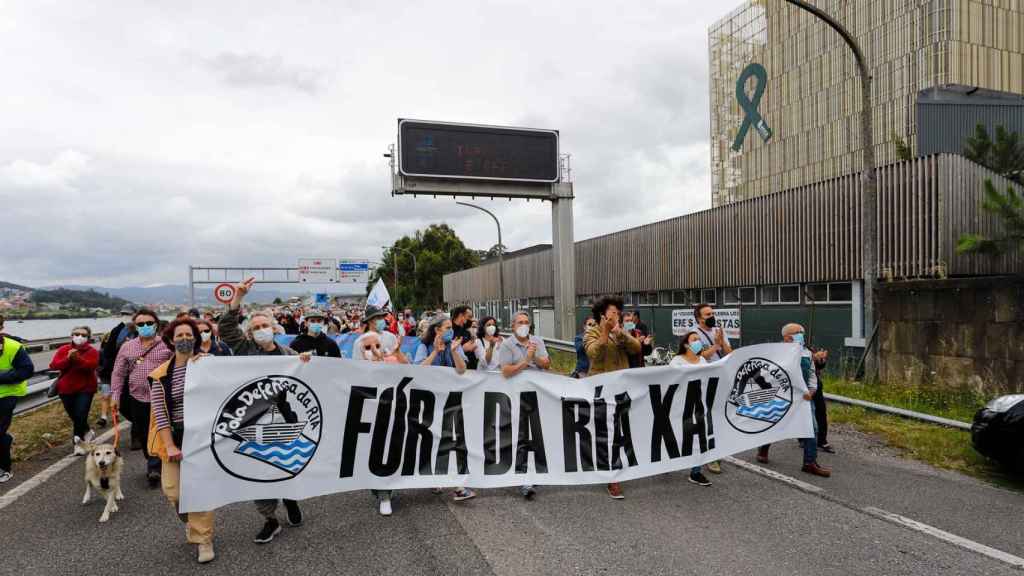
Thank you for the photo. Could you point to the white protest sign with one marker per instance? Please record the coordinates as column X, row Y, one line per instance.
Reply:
column 274, row 427
column 318, row 270
column 728, row 318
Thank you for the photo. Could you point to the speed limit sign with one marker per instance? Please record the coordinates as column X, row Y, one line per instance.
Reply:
column 224, row 293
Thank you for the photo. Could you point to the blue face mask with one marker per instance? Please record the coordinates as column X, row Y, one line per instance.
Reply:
column 381, row 324
column 629, row 326
column 315, row 328
column 448, row 335
column 799, row 338
column 147, row 331
column 696, row 346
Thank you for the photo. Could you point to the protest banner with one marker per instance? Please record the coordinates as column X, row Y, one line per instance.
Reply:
column 273, row 427
column 683, row 321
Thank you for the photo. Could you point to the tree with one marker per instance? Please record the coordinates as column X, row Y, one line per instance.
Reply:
column 902, row 150
column 1005, row 157
column 278, row 301
column 438, row 251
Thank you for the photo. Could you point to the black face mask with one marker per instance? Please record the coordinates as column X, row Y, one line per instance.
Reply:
column 710, row 322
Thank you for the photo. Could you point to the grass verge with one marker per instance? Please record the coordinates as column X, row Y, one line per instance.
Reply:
column 44, row 429
column 955, row 404
column 562, row 362
column 946, row 448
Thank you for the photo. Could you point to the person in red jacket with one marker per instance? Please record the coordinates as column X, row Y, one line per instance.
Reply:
column 76, row 384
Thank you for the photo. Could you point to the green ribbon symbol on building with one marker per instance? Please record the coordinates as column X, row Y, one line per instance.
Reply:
column 753, row 117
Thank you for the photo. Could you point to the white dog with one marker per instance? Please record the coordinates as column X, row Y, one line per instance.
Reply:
column 103, row 474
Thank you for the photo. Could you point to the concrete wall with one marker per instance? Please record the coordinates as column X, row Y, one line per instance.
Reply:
column 961, row 334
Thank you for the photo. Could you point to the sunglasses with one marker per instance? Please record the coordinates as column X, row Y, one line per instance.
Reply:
column 82, row 334
column 206, row 331
column 147, row 323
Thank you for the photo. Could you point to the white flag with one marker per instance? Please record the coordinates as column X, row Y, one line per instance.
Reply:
column 379, row 296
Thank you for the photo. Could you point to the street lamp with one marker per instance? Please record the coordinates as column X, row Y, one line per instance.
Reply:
column 501, row 260
column 869, row 193
column 395, row 262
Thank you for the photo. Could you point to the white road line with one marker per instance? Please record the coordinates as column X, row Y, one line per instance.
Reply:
column 54, row 469
column 903, row 521
column 934, row 532
column 800, row 484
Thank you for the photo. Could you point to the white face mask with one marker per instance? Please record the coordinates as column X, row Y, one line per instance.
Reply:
column 490, row 330
column 263, row 335
column 206, row 336
column 368, row 354
column 78, row 340
column 522, row 331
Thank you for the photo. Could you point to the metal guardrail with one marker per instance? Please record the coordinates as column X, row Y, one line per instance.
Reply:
column 899, row 412
column 36, row 397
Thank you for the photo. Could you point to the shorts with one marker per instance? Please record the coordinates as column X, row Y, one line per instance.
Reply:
column 105, row 389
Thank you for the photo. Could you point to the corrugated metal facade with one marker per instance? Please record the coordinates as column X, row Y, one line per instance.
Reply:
column 802, row 235
column 944, row 126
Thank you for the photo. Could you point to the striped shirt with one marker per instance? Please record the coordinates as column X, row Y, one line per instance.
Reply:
column 177, row 399
column 128, row 364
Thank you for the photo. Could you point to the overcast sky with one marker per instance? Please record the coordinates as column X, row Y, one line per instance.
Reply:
column 141, row 137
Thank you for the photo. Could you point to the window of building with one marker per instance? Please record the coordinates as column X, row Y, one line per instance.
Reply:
column 708, row 295
column 679, row 297
column 547, row 302
column 770, row 294
column 818, row 292
column 730, row 296
column 665, row 298
column 840, row 292
column 646, row 298
column 748, row 295
column 789, row 294
column 627, row 299
column 584, row 301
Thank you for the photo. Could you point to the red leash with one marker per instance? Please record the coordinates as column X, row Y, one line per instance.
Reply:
column 117, row 429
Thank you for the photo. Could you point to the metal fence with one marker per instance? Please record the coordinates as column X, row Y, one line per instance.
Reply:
column 806, row 234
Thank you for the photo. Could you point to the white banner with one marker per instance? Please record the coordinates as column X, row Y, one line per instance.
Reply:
column 728, row 318
column 272, row 427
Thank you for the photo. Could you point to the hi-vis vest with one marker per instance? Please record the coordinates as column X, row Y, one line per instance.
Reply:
column 11, row 349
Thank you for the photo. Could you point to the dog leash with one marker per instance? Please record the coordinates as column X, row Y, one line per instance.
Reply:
column 117, row 429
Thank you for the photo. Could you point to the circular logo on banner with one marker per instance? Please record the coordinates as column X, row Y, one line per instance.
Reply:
column 761, row 395
column 224, row 293
column 268, row 429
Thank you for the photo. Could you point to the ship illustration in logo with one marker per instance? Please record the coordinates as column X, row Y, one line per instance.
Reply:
column 761, row 396
column 268, row 429
column 276, row 442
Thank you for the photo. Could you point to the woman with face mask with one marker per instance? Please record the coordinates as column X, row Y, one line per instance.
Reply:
column 439, row 347
column 167, row 383
column 209, row 343
column 136, row 359
column 489, row 341
column 77, row 382
column 690, row 347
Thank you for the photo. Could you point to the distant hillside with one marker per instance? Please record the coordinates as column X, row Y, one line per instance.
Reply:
column 178, row 293
column 9, row 286
column 78, row 298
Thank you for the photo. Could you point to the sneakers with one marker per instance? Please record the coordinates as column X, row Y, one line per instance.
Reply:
column 153, row 478
column 527, row 492
column 385, row 506
column 615, row 491
column 700, row 479
column 78, row 451
column 463, row 494
column 817, row 470
column 101, row 422
column 826, row 447
column 762, row 455
column 205, row 553
column 5, row 476
column 437, row 491
column 294, row 514
column 270, row 529
column 714, row 467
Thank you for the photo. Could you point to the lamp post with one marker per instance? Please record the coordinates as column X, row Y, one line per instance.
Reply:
column 869, row 191
column 394, row 257
column 501, row 260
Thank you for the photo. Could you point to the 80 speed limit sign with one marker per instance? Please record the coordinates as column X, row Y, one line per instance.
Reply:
column 224, row 293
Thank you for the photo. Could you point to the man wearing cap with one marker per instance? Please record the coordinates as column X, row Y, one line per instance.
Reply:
column 109, row 348
column 315, row 338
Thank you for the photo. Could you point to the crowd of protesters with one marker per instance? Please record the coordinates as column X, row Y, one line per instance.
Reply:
column 138, row 371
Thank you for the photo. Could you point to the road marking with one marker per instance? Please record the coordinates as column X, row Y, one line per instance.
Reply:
column 54, row 469
column 800, row 484
column 896, row 519
column 934, row 532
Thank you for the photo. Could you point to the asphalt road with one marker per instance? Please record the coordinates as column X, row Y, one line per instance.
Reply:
column 744, row 524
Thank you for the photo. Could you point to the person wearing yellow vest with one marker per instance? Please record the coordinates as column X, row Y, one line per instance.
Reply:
column 15, row 369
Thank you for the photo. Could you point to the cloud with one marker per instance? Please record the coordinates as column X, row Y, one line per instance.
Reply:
column 123, row 167
column 250, row 70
